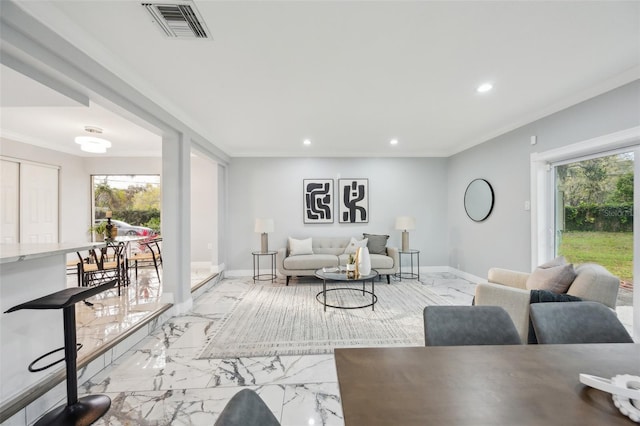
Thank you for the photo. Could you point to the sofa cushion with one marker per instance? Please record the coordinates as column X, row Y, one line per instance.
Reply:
column 310, row 261
column 377, row 243
column 381, row 261
column 554, row 276
column 330, row 245
column 354, row 245
column 300, row 247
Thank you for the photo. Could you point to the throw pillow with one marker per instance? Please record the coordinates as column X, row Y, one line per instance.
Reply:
column 552, row 276
column 298, row 247
column 377, row 243
column 560, row 260
column 354, row 245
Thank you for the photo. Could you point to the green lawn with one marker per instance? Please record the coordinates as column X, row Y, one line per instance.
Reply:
column 613, row 250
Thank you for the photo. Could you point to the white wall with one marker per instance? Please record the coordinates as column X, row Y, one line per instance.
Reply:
column 272, row 188
column 504, row 239
column 123, row 165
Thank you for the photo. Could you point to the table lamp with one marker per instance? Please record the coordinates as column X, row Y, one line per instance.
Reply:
column 405, row 223
column 264, row 226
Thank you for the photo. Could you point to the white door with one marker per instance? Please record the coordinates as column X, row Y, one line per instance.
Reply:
column 9, row 199
column 38, row 203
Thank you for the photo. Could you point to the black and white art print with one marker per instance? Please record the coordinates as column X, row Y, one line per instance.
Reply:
column 354, row 200
column 318, row 200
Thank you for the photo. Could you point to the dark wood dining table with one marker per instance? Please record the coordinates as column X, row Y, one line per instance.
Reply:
column 482, row 385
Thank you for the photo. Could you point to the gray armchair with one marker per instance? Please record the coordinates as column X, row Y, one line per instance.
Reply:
column 468, row 325
column 578, row 322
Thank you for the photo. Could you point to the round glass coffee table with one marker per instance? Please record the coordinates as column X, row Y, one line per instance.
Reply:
column 336, row 275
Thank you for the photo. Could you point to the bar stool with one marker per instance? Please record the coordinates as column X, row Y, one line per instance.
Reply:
column 88, row 409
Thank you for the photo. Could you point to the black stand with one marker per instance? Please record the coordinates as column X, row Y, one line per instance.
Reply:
column 86, row 410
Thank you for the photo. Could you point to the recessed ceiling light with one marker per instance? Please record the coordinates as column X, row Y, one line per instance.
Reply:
column 306, row 142
column 484, row 87
column 393, row 141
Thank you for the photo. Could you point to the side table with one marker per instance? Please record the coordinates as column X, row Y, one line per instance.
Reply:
column 409, row 275
column 257, row 276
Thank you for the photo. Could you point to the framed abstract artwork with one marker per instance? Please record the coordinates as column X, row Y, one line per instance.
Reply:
column 318, row 200
column 353, row 200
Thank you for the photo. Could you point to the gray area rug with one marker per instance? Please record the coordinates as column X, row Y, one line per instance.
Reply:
column 272, row 319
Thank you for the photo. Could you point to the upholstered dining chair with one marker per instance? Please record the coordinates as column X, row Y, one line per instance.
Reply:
column 468, row 325
column 152, row 253
column 576, row 322
column 246, row 408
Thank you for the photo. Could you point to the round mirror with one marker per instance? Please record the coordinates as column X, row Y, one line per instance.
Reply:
column 478, row 200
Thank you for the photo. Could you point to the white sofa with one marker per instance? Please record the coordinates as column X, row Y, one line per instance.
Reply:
column 507, row 288
column 329, row 251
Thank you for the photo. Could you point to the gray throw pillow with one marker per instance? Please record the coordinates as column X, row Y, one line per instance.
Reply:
column 377, row 244
column 552, row 276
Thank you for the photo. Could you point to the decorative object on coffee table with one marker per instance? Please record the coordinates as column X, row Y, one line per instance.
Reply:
column 264, row 226
column 351, row 266
column 364, row 261
column 404, row 224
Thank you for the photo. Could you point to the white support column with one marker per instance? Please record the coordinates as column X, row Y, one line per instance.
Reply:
column 176, row 221
column 222, row 218
column 636, row 245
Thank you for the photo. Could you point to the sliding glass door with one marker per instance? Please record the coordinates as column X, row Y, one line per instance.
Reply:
column 582, row 207
column 594, row 214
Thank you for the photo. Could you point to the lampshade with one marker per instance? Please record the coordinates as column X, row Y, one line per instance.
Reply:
column 405, row 222
column 264, row 226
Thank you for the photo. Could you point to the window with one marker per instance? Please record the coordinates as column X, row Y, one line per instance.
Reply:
column 133, row 200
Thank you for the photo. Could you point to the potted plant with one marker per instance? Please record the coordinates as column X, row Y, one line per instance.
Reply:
column 99, row 229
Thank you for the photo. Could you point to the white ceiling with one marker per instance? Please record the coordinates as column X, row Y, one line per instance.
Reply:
column 347, row 75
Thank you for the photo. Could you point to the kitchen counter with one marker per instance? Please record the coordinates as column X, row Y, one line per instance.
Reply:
column 27, row 272
column 19, row 252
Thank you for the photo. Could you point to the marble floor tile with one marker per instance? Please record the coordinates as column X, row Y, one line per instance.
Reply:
column 312, row 404
column 188, row 407
column 456, row 290
column 154, row 367
column 187, row 331
column 275, row 370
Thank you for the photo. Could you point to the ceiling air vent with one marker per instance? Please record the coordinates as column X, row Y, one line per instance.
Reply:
column 179, row 19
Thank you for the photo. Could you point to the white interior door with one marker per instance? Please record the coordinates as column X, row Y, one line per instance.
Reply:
column 38, row 203
column 9, row 199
